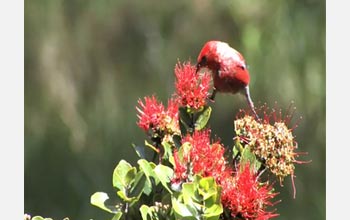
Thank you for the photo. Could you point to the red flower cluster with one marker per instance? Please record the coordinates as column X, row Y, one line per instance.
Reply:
column 192, row 89
column 271, row 141
column 242, row 193
column 201, row 158
column 152, row 115
column 246, row 197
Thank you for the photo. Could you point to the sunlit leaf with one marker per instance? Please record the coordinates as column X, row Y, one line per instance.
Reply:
column 40, row 218
column 164, row 174
column 130, row 176
column 214, row 212
column 151, row 146
column 125, row 198
column 119, row 174
column 203, row 118
column 102, row 200
column 147, row 168
column 182, row 210
column 117, row 216
column 144, row 212
column 168, row 150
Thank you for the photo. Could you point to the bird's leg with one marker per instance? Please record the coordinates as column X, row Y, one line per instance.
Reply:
column 212, row 96
column 250, row 102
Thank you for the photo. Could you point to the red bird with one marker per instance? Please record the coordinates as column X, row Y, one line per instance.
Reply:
column 229, row 70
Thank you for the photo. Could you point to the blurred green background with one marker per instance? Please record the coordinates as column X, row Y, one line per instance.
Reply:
column 88, row 62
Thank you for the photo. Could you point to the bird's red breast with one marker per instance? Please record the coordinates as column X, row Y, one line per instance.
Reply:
column 230, row 73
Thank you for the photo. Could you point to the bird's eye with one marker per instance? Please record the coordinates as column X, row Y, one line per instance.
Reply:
column 201, row 63
column 203, row 60
column 242, row 66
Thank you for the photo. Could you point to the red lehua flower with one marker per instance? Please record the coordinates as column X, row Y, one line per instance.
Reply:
column 242, row 194
column 202, row 158
column 246, row 197
column 173, row 109
column 180, row 168
column 172, row 117
column 192, row 89
column 152, row 115
column 207, row 159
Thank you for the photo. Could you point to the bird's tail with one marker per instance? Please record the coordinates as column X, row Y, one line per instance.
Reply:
column 250, row 102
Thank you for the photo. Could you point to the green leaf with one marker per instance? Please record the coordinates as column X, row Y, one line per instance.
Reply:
column 119, row 174
column 154, row 213
column 168, row 150
column 126, row 198
column 185, row 120
column 235, row 152
column 151, row 146
column 147, row 189
column 238, row 145
column 102, row 200
column 166, row 199
column 182, row 210
column 200, row 198
column 183, row 151
column 184, row 128
column 164, row 175
column 138, row 185
column 214, row 212
column 130, row 176
column 212, row 197
column 185, row 116
column 208, row 190
column 249, row 157
column 203, row 118
column 144, row 211
column 147, row 169
column 257, row 165
column 40, row 218
column 188, row 192
column 177, row 140
column 117, row 216
column 172, row 160
column 207, row 183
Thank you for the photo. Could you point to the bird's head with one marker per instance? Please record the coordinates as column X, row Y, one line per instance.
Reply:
column 208, row 56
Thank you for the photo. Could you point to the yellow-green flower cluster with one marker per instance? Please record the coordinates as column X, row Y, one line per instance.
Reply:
column 273, row 145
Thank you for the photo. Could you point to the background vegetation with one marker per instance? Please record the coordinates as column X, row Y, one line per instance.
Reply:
column 87, row 63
